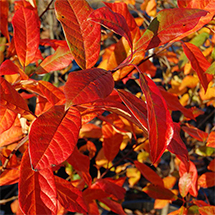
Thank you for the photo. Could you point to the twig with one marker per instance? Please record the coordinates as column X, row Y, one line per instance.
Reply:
column 47, row 8
column 3, row 201
column 12, row 153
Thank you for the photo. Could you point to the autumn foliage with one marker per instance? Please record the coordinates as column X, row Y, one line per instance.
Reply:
column 112, row 121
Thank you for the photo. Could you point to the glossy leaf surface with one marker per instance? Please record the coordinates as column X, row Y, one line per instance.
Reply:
column 26, row 35
column 113, row 21
column 10, row 98
column 168, row 25
column 37, row 189
column 83, row 37
column 59, row 139
column 88, row 86
column 160, row 125
column 59, row 60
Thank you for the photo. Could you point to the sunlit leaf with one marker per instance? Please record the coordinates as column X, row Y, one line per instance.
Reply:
column 184, row 184
column 211, row 165
column 37, row 190
column 160, row 125
column 168, row 25
column 211, row 139
column 83, row 36
column 26, row 34
column 58, row 142
column 198, row 63
column 113, row 21
column 10, row 98
column 207, row 210
column 207, row 180
column 59, row 60
column 70, row 197
column 88, row 86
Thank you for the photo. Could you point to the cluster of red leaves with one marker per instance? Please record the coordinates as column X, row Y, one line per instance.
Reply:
column 48, row 137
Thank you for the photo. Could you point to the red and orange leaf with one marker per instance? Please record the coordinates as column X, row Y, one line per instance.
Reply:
column 195, row 132
column 69, row 196
column 90, row 130
column 181, row 211
column 110, row 188
column 157, row 192
column 53, row 43
column 88, row 86
column 136, row 106
column 37, row 190
column 194, row 175
column 26, row 34
column 81, row 163
column 7, row 119
column 207, row 180
column 10, row 98
column 114, row 206
column 113, row 21
column 207, row 210
column 211, row 165
column 58, row 141
column 59, row 60
column 168, row 25
column 211, row 140
column 83, row 36
column 149, row 174
column 198, row 62
column 178, row 147
column 9, row 68
column 122, row 8
column 160, row 125
column 174, row 104
column 53, row 94
column 42, row 105
column 184, row 184
column 4, row 8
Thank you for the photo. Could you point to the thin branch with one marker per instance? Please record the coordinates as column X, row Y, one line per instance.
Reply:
column 47, row 8
column 3, row 201
column 12, row 153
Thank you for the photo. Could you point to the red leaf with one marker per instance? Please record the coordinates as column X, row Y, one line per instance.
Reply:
column 136, row 106
column 113, row 21
column 37, row 191
column 59, row 60
column 26, row 35
column 198, row 62
column 53, row 94
column 4, row 8
column 110, row 188
column 211, row 165
column 157, row 192
column 10, row 98
column 195, row 132
column 160, row 125
column 207, row 180
column 112, row 139
column 178, row 147
column 83, row 37
column 53, row 43
column 88, row 86
column 56, row 144
column 149, row 174
column 174, row 104
column 194, row 175
column 7, row 119
column 69, row 196
column 168, row 25
column 9, row 68
column 114, row 206
column 81, row 163
column 122, row 8
column 207, row 210
column 211, row 140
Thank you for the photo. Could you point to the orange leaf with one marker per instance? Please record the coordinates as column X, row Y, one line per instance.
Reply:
column 211, row 140
column 207, row 180
column 211, row 165
column 207, row 210
column 73, row 16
